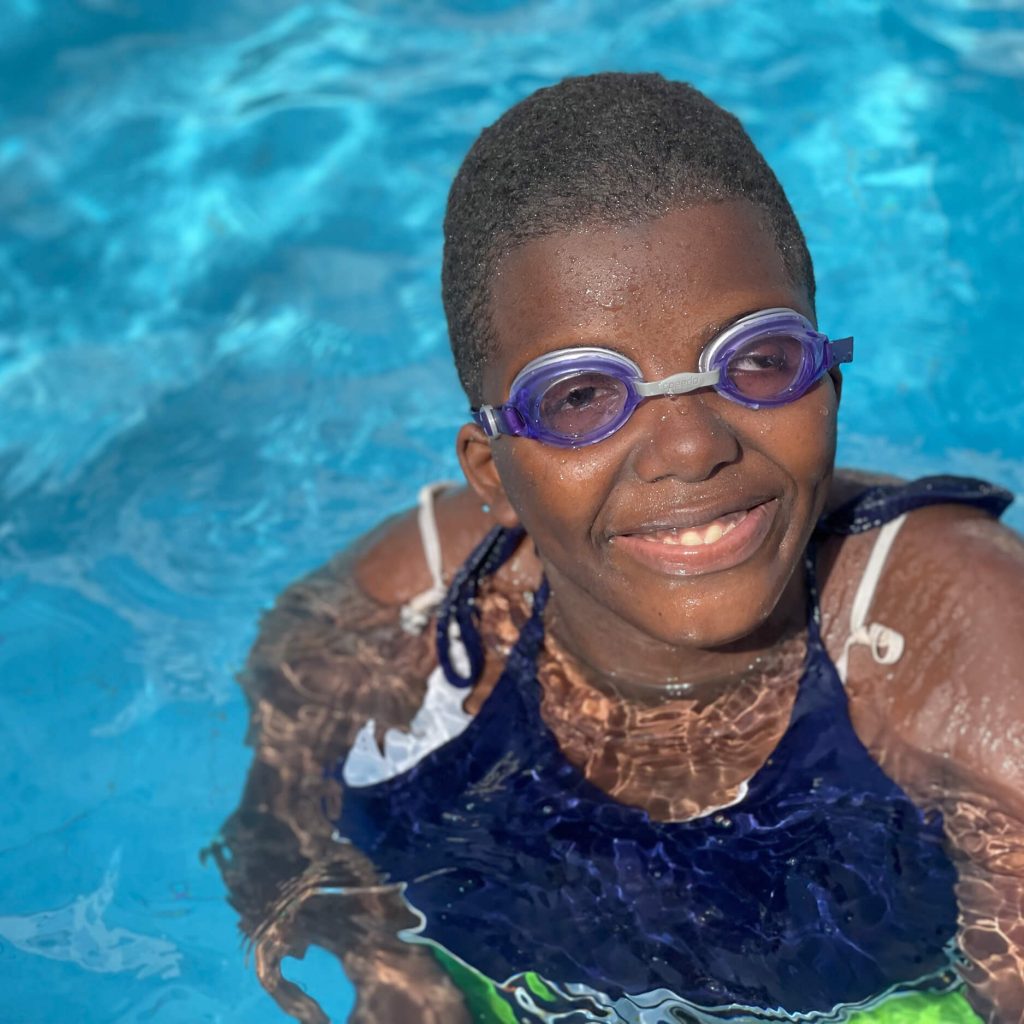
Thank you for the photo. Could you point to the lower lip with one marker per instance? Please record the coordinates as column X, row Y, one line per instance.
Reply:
column 730, row 550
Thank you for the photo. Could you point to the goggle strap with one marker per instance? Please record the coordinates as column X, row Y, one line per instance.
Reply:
column 501, row 419
column 840, row 351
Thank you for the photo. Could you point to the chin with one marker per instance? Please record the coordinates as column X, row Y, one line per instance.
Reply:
column 722, row 617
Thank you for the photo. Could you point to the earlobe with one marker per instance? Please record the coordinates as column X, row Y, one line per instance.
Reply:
column 477, row 460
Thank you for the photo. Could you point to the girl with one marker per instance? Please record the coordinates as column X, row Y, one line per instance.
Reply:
column 661, row 718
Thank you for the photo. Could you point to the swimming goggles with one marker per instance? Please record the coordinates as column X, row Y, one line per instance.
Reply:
column 578, row 396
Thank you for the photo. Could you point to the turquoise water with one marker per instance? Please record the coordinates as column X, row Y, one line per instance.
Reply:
column 222, row 356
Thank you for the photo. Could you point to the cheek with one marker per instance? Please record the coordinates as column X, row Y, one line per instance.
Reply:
column 820, row 419
column 801, row 439
column 531, row 471
column 550, row 487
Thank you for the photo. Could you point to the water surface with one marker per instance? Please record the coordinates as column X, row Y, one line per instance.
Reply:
column 222, row 356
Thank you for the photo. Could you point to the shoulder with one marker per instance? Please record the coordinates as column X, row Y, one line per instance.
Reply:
column 389, row 564
column 327, row 658
column 954, row 587
column 331, row 653
column 958, row 583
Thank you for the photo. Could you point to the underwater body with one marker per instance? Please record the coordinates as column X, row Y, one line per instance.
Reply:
column 224, row 358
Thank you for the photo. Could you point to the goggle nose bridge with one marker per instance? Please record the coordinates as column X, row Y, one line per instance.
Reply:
column 677, row 383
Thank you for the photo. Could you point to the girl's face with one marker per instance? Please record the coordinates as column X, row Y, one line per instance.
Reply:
column 686, row 525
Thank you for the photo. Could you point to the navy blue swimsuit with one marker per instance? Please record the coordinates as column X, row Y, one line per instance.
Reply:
column 823, row 886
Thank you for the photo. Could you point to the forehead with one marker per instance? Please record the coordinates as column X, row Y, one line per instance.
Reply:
column 679, row 275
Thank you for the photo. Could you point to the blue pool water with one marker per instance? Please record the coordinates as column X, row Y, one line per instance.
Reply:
column 222, row 356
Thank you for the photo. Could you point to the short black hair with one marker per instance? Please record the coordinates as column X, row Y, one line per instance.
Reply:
column 612, row 148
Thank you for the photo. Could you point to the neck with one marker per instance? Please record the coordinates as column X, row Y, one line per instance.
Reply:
column 622, row 661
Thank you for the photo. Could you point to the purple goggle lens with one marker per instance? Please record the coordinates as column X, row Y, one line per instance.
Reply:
column 579, row 396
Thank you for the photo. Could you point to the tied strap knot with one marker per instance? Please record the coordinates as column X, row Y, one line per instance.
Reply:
column 886, row 644
column 416, row 613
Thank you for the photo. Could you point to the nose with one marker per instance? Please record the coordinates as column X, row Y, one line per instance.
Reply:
column 682, row 436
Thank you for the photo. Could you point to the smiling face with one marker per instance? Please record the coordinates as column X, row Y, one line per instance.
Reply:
column 685, row 527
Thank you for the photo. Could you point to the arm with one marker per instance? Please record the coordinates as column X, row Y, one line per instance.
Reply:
column 327, row 658
column 978, row 719
column 954, row 725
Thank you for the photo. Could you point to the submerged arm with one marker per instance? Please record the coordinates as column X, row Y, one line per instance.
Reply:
column 984, row 793
column 327, row 659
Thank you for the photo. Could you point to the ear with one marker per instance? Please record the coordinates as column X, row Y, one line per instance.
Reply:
column 476, row 457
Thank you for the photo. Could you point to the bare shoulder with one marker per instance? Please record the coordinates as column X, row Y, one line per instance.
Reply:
column 331, row 653
column 327, row 658
column 389, row 564
column 954, row 587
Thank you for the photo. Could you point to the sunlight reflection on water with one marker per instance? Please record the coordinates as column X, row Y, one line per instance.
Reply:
column 222, row 355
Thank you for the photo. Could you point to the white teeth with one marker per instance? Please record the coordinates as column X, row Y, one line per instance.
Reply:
column 698, row 536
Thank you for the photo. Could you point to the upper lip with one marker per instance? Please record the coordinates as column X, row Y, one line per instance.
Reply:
column 688, row 518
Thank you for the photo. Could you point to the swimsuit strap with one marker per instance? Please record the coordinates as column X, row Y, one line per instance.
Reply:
column 886, row 506
column 415, row 613
column 813, row 602
column 460, row 651
column 883, row 503
column 886, row 643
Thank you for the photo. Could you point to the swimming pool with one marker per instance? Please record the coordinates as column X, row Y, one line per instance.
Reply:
column 222, row 356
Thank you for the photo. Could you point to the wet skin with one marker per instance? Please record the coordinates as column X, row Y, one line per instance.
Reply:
column 658, row 292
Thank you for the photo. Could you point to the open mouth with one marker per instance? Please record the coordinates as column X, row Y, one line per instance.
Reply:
column 699, row 536
column 720, row 543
